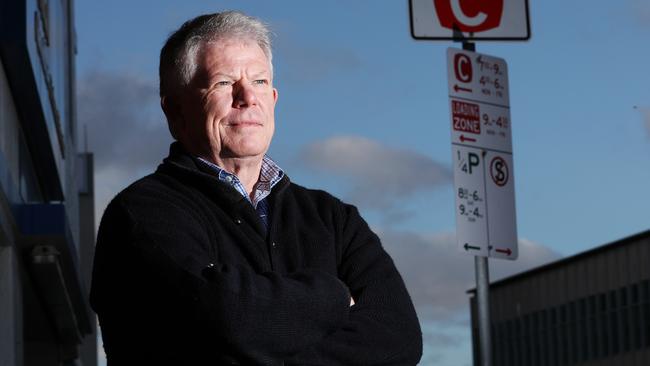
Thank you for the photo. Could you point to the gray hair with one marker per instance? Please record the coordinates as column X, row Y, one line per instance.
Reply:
column 178, row 55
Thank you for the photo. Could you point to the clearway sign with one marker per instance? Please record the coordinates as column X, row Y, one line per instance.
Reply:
column 470, row 19
column 480, row 100
column 482, row 153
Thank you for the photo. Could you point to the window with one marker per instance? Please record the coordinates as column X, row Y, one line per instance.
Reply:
column 603, row 326
column 544, row 337
column 573, row 332
column 593, row 329
column 584, row 331
column 535, row 339
column 646, row 322
column 625, row 320
column 645, row 312
column 552, row 349
column 527, row 340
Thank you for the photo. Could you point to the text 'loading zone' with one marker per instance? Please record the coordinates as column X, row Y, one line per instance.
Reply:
column 481, row 139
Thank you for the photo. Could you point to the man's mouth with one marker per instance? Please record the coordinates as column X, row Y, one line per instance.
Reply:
column 244, row 123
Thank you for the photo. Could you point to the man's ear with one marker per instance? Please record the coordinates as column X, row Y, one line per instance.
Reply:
column 172, row 110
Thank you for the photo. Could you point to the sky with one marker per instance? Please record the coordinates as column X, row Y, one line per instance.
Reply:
column 363, row 113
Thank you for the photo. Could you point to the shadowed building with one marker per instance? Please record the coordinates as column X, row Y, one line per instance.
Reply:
column 589, row 309
column 46, row 192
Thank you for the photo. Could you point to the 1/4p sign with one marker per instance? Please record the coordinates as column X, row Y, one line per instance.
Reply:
column 470, row 19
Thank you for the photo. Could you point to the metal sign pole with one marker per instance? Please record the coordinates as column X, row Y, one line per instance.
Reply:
column 482, row 289
column 483, row 307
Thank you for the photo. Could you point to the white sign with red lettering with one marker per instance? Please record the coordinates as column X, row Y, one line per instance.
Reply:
column 480, row 124
column 500, row 193
column 482, row 151
column 470, row 19
column 477, row 77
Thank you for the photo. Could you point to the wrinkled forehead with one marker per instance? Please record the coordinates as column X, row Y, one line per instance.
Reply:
column 227, row 55
column 218, row 43
column 209, row 44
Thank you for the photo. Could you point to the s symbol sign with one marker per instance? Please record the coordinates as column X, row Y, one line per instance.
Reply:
column 469, row 15
column 463, row 68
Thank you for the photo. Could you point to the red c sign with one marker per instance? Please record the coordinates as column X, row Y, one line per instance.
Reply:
column 463, row 68
column 469, row 15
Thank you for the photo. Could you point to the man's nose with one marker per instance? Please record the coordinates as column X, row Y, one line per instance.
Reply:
column 244, row 95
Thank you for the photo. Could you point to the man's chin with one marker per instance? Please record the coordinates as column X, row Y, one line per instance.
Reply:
column 246, row 153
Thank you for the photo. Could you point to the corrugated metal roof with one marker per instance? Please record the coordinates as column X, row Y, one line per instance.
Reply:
column 567, row 260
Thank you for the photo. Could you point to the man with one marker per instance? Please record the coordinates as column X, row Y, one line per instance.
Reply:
column 217, row 258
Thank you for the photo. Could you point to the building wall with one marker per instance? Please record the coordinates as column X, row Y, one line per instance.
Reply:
column 9, row 130
column 46, row 192
column 88, row 351
column 10, row 325
column 16, row 171
column 594, row 310
column 10, row 299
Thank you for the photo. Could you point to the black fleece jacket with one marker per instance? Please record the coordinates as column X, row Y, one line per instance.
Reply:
column 186, row 273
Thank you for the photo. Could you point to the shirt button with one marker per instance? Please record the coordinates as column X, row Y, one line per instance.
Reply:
column 273, row 244
column 229, row 179
column 238, row 221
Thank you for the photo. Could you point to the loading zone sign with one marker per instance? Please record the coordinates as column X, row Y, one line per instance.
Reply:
column 482, row 154
column 470, row 19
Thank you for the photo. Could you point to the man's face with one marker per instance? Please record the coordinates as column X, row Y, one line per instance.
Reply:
column 227, row 110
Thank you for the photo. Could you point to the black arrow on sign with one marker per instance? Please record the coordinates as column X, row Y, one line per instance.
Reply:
column 457, row 88
column 468, row 247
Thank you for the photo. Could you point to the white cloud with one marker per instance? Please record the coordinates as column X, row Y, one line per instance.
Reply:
column 438, row 275
column 127, row 132
column 445, row 344
column 380, row 175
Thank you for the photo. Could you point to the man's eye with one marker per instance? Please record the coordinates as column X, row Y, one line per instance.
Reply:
column 261, row 82
column 223, row 83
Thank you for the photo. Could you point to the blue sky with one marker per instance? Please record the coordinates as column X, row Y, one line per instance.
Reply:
column 363, row 113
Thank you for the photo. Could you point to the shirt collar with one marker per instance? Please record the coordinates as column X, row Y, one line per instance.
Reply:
column 270, row 175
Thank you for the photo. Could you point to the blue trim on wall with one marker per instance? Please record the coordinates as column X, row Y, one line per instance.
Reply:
column 47, row 223
column 41, row 219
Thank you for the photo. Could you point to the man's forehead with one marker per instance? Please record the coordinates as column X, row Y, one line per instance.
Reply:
column 220, row 56
column 218, row 45
column 211, row 62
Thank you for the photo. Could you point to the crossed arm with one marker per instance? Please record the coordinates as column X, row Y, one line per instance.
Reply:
column 382, row 327
column 363, row 316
